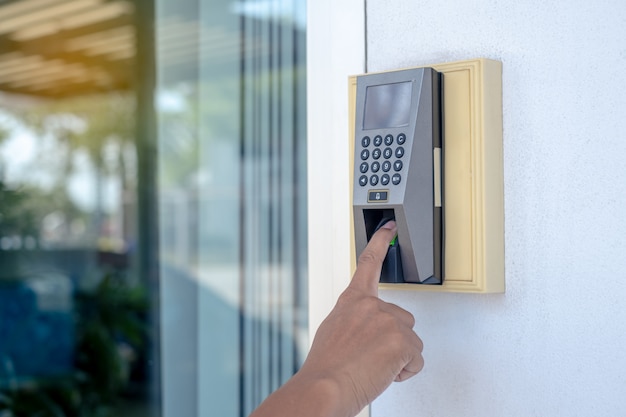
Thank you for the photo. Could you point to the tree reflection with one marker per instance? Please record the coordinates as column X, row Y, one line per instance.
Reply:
column 73, row 339
column 81, row 170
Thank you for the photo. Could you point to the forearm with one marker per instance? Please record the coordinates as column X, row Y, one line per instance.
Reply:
column 304, row 396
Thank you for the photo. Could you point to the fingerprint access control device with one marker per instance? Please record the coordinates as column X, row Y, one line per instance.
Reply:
column 398, row 172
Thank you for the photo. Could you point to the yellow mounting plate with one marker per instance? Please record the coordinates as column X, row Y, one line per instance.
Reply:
column 473, row 196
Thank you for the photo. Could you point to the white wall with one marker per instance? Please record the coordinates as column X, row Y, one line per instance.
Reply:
column 335, row 49
column 554, row 344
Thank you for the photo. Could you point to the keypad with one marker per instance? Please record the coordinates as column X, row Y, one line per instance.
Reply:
column 390, row 149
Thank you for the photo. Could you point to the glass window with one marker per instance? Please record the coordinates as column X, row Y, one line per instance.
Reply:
column 232, row 181
column 78, row 283
column 152, row 205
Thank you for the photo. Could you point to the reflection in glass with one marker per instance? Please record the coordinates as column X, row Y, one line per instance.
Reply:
column 86, row 326
column 231, row 109
column 76, row 316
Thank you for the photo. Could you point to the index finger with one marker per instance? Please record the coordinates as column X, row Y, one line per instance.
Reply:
column 371, row 260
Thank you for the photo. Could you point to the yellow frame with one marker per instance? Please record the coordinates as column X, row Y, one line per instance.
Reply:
column 473, row 177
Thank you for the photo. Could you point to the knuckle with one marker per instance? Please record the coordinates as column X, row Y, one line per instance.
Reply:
column 410, row 319
column 368, row 257
column 348, row 296
column 420, row 344
column 398, row 338
column 393, row 324
column 370, row 305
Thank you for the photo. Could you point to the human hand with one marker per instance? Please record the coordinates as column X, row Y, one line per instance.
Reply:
column 365, row 343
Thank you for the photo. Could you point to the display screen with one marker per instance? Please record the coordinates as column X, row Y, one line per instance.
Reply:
column 387, row 105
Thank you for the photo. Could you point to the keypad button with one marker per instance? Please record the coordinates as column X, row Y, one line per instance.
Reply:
column 397, row 165
column 376, row 153
column 365, row 154
column 401, row 139
column 396, row 179
column 386, row 166
column 363, row 180
column 399, row 152
column 364, row 167
column 365, row 142
column 375, row 166
column 374, row 180
column 384, row 180
column 387, row 153
column 388, row 140
column 378, row 140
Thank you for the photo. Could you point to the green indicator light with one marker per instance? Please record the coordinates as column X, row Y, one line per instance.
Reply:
column 393, row 242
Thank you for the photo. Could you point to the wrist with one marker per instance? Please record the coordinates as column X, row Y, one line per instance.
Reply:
column 325, row 396
column 333, row 396
column 305, row 395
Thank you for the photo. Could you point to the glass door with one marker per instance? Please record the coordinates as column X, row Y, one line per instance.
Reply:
column 232, row 181
column 78, row 283
column 153, row 234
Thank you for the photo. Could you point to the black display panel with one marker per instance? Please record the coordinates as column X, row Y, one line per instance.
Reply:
column 387, row 105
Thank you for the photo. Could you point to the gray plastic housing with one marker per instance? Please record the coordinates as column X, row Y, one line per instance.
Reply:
column 414, row 202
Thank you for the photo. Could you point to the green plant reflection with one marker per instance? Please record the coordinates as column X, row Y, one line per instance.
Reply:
column 74, row 313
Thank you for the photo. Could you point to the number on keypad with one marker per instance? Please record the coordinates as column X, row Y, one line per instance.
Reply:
column 370, row 157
